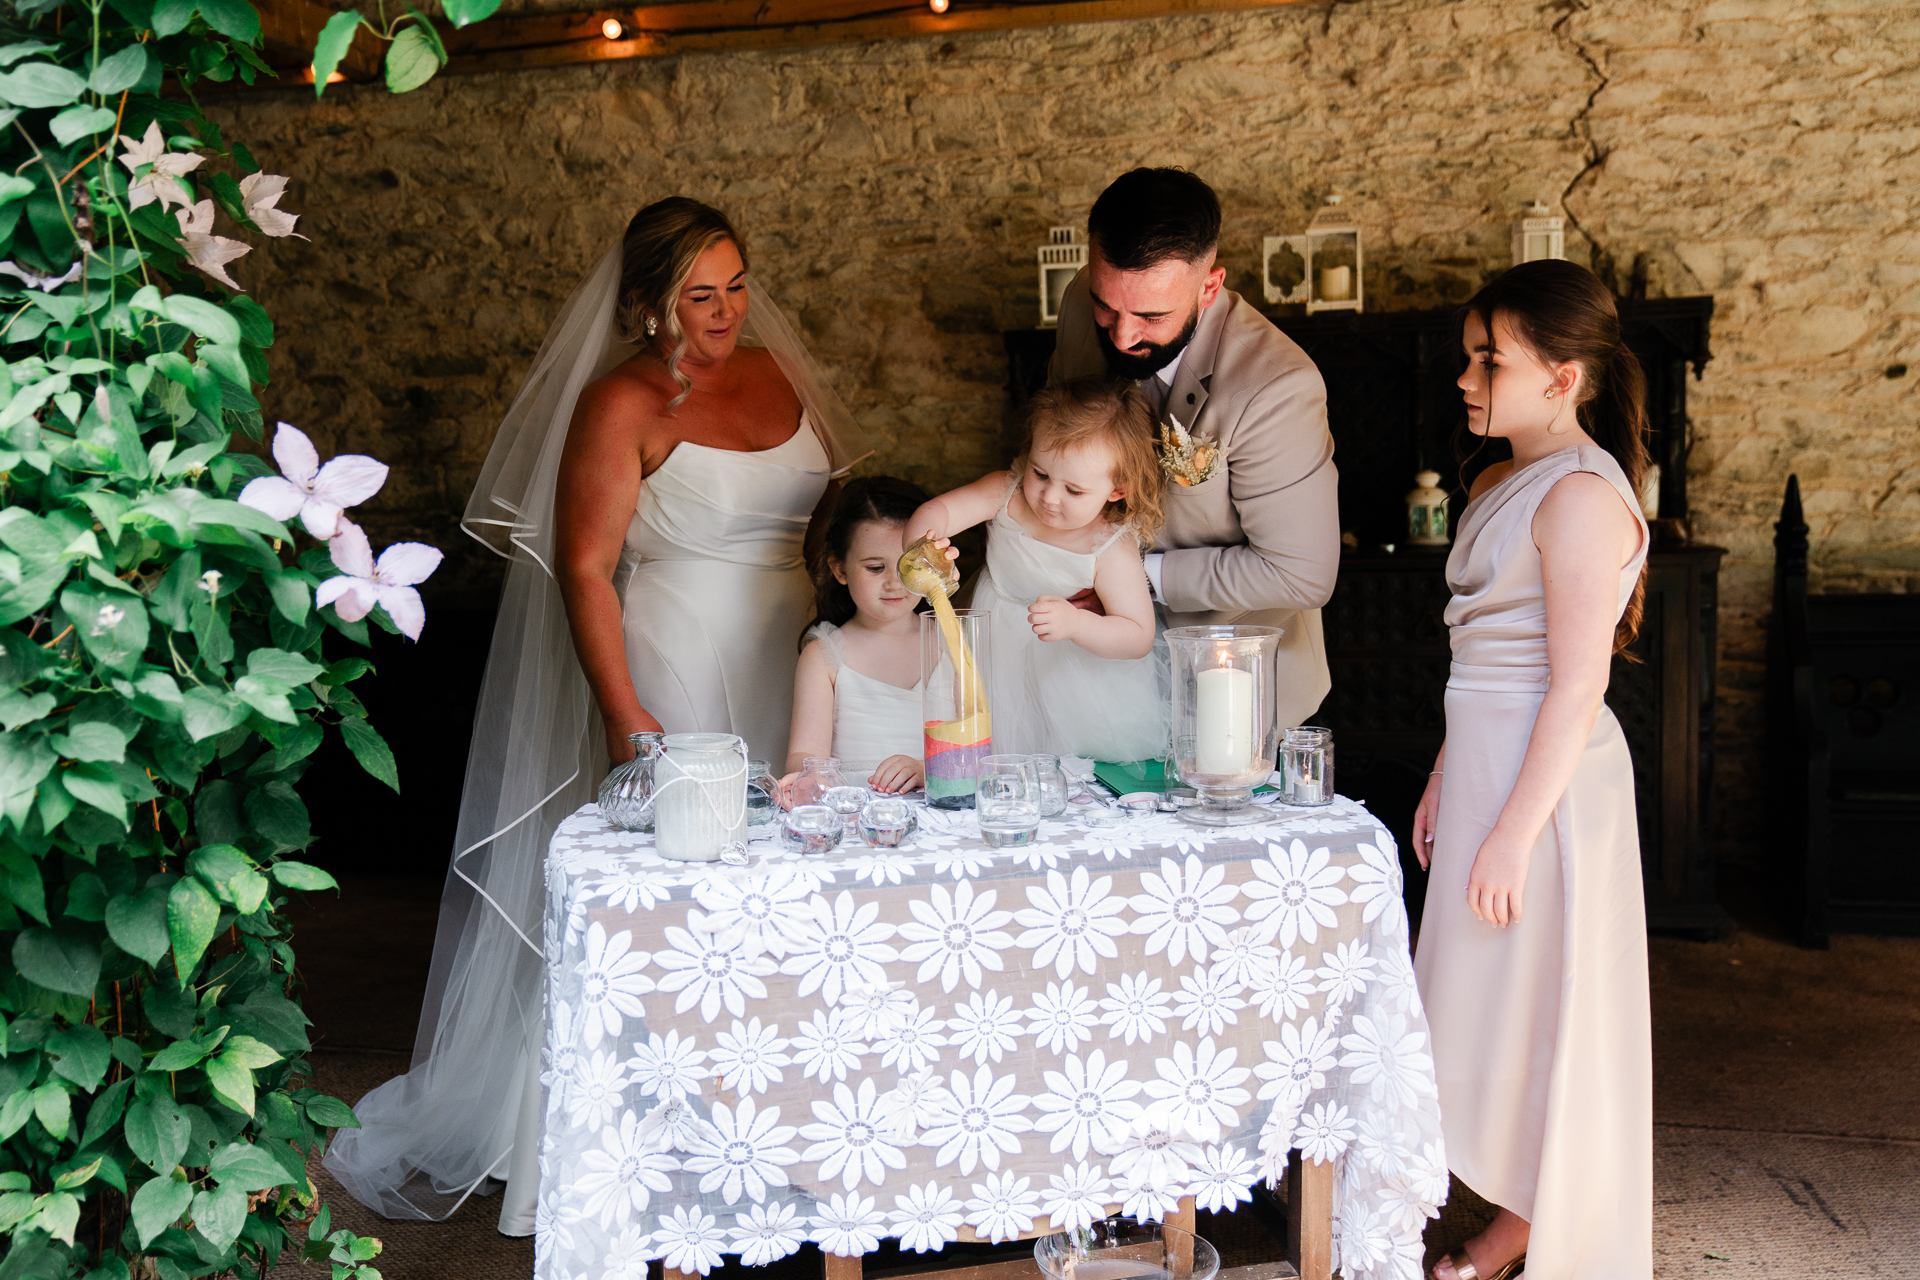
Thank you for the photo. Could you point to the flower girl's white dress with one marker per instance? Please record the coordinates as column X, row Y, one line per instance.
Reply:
column 872, row 719
column 1054, row 696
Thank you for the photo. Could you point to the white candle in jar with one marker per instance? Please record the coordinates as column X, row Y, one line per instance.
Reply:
column 1223, row 721
column 1336, row 284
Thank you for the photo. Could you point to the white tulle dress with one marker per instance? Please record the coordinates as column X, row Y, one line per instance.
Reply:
column 872, row 719
column 1054, row 696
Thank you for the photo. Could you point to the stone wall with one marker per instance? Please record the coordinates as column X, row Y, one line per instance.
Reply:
column 1757, row 150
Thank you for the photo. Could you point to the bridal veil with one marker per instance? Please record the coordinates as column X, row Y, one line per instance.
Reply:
column 432, row 1137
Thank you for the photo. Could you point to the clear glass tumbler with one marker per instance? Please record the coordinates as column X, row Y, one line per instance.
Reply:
column 1006, row 798
column 1053, row 785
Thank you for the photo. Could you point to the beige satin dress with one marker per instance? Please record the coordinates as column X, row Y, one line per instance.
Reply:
column 1541, row 1036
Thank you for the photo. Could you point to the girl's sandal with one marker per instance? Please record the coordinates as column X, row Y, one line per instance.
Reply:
column 1463, row 1268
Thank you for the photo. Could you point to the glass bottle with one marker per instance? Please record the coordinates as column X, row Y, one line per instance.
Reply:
column 818, row 775
column 763, row 794
column 1053, row 785
column 626, row 797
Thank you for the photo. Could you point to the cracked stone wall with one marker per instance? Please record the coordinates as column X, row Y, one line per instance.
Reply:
column 1761, row 151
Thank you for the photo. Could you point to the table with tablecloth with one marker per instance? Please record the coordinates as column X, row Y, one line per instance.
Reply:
column 947, row 1041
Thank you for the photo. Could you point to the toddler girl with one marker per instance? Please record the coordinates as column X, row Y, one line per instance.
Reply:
column 1071, row 514
column 856, row 693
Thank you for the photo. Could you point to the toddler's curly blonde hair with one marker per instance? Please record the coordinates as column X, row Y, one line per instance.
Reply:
column 1074, row 414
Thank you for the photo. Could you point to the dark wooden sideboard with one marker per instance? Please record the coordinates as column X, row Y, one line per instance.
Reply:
column 1393, row 407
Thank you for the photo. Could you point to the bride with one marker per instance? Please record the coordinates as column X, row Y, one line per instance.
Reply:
column 657, row 506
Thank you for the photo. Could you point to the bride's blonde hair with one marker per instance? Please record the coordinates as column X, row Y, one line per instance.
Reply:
column 657, row 254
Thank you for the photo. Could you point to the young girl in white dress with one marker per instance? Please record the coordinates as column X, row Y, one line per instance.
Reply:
column 1071, row 515
column 856, row 693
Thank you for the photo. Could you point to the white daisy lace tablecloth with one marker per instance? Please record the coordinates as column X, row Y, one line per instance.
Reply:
column 948, row 1041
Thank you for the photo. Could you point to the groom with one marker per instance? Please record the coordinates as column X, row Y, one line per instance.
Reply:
column 1254, row 534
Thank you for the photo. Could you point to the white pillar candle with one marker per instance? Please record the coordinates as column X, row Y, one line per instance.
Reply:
column 1223, row 721
column 1336, row 284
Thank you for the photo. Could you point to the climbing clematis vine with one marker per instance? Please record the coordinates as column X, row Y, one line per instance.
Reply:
column 209, row 252
column 388, row 583
column 161, row 181
column 259, row 193
column 306, row 489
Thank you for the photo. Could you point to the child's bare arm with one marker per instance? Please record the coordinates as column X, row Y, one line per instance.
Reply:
column 812, row 711
column 1126, row 631
column 958, row 509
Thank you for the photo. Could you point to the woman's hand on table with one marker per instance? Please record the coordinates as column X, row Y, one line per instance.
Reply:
column 896, row 774
column 619, row 750
column 1499, row 878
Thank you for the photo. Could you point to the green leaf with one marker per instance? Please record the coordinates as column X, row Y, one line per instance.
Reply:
column 53, row 1108
column 80, row 1054
column 178, row 1056
column 292, row 596
column 172, row 600
column 192, row 916
column 99, row 786
column 412, row 60
column 15, row 1112
column 112, row 626
column 331, row 1113
column 20, row 877
column 303, row 875
column 121, row 71
column 219, row 1214
column 278, row 813
column 268, row 697
column 371, row 750
column 249, row 890
column 80, row 121
column 232, row 1082
column 79, row 1176
column 277, row 664
column 104, row 1114
column 59, row 1214
column 463, row 12
column 63, row 962
column 94, row 740
column 24, row 762
column 234, row 19
column 157, row 1130
column 245, row 1167
column 334, row 41
column 10, row 54
column 170, row 17
column 17, row 709
column 159, row 1203
column 201, row 316
column 205, row 713
column 172, row 1009
column 40, row 84
column 218, row 863
column 248, row 1052
column 256, row 326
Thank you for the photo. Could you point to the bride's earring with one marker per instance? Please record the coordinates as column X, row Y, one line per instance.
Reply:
column 650, row 330
column 653, row 327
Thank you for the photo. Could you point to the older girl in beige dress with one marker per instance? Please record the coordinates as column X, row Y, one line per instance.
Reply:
column 1532, row 958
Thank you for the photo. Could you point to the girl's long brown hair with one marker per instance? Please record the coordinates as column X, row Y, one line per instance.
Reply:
column 1564, row 315
column 887, row 499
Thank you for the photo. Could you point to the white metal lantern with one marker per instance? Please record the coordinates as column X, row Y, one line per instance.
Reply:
column 1283, row 268
column 1060, row 261
column 1537, row 234
column 1333, row 260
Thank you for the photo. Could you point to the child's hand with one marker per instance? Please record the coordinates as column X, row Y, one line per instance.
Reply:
column 786, row 791
column 897, row 774
column 1054, row 618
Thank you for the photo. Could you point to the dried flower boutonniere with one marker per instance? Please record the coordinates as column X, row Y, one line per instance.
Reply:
column 1188, row 458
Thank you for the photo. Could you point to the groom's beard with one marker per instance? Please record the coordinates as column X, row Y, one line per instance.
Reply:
column 1139, row 366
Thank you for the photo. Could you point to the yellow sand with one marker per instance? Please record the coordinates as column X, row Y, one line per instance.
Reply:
column 923, row 579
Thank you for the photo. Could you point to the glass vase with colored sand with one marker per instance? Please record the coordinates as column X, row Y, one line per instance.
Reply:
column 959, row 728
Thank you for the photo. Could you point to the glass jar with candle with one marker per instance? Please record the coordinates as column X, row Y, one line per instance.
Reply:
column 626, row 797
column 1053, row 785
column 1225, row 726
column 811, row 828
column 886, row 822
column 700, row 796
column 1307, row 765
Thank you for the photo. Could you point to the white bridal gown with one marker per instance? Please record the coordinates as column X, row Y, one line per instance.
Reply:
column 715, row 590
column 1542, row 1043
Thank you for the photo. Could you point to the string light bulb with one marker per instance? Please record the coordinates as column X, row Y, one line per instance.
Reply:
column 612, row 29
column 938, row 6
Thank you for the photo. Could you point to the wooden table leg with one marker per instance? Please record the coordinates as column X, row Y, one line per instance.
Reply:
column 1182, row 1217
column 835, row 1267
column 1310, row 1217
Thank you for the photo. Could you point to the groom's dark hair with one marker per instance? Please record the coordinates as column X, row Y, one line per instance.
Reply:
column 1150, row 215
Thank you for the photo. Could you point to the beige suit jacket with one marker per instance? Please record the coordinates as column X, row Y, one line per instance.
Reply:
column 1258, row 542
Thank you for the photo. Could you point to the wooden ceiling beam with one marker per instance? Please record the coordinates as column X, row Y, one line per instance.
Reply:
column 527, row 41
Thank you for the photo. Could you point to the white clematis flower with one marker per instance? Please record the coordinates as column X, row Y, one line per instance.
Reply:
column 161, row 182
column 207, row 251
column 388, row 582
column 306, row 489
column 259, row 193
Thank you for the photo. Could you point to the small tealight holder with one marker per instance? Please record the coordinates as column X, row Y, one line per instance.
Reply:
column 846, row 803
column 811, row 828
column 886, row 822
column 1140, row 804
column 1307, row 759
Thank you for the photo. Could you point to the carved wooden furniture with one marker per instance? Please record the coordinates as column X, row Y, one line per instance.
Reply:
column 1393, row 407
column 1843, row 712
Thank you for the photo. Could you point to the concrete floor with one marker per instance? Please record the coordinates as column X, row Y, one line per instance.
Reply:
column 1786, row 1100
